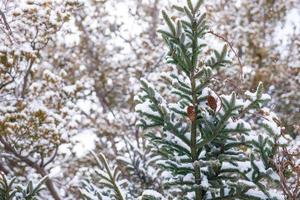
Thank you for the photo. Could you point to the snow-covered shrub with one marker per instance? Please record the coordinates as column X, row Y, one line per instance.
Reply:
column 9, row 190
column 109, row 181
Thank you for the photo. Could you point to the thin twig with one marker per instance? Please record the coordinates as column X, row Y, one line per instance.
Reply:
column 5, row 22
column 26, row 77
column 10, row 33
column 231, row 47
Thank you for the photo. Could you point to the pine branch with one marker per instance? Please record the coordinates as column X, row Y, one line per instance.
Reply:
column 112, row 176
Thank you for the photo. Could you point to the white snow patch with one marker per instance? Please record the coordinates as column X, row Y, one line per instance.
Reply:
column 85, row 142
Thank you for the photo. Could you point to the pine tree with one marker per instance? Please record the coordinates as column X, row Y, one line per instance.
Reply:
column 204, row 141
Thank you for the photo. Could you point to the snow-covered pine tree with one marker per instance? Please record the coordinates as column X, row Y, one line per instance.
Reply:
column 208, row 149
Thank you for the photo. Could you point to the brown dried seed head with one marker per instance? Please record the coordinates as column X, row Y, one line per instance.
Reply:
column 212, row 102
column 191, row 113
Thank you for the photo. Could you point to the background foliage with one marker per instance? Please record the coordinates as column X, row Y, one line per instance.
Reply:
column 69, row 71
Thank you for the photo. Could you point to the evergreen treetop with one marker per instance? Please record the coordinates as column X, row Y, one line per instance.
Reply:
column 204, row 141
